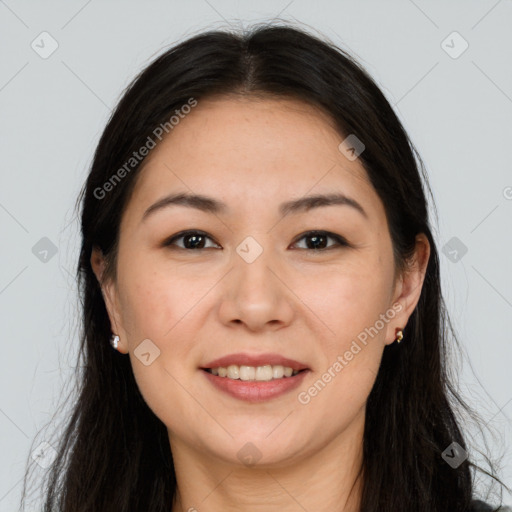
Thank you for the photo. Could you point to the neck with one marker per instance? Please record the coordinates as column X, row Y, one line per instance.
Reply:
column 326, row 480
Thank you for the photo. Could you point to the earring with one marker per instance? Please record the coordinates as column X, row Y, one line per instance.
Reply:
column 399, row 335
column 114, row 341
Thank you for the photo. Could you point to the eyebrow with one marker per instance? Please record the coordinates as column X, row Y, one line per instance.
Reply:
column 214, row 206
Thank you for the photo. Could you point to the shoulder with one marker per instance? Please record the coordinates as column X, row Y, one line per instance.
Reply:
column 480, row 506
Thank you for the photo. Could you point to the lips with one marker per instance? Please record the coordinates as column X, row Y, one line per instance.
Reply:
column 255, row 391
column 290, row 373
column 255, row 360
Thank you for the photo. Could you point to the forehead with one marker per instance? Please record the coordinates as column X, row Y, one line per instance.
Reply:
column 250, row 152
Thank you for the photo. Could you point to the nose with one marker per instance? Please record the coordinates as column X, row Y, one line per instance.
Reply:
column 256, row 295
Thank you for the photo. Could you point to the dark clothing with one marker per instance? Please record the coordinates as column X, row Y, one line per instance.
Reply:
column 480, row 506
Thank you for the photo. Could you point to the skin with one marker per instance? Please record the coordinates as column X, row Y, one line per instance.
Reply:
column 197, row 305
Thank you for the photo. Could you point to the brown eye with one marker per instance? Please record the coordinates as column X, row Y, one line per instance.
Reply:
column 318, row 240
column 191, row 240
column 315, row 241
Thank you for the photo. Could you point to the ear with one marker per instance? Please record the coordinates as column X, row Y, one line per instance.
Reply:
column 110, row 297
column 408, row 287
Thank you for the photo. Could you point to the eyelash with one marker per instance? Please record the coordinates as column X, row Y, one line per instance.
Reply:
column 340, row 241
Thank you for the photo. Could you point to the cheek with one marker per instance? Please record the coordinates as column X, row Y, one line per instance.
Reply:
column 160, row 309
column 159, row 306
column 353, row 302
column 349, row 300
column 153, row 302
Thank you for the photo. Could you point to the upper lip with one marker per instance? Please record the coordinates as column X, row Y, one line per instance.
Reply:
column 256, row 360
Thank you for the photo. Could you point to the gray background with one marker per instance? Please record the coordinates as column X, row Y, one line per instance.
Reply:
column 456, row 108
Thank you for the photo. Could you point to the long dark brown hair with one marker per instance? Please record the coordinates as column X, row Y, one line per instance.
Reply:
column 114, row 453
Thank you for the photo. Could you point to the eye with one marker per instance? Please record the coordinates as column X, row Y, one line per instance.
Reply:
column 318, row 240
column 197, row 240
column 191, row 240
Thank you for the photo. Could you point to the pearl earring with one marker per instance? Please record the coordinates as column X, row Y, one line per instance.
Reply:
column 114, row 341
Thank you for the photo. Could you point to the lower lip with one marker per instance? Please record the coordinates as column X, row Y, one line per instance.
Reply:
column 253, row 390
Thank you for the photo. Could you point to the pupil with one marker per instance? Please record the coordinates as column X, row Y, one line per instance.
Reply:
column 316, row 239
column 196, row 244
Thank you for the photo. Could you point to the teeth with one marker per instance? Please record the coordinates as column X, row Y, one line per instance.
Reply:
column 260, row 373
column 263, row 372
column 277, row 371
column 233, row 371
column 247, row 373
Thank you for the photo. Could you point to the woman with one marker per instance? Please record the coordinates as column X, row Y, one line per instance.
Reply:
column 257, row 249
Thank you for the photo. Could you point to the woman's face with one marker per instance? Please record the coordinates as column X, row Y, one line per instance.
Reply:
column 247, row 282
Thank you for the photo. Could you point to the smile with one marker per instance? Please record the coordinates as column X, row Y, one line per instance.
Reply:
column 254, row 390
column 253, row 373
